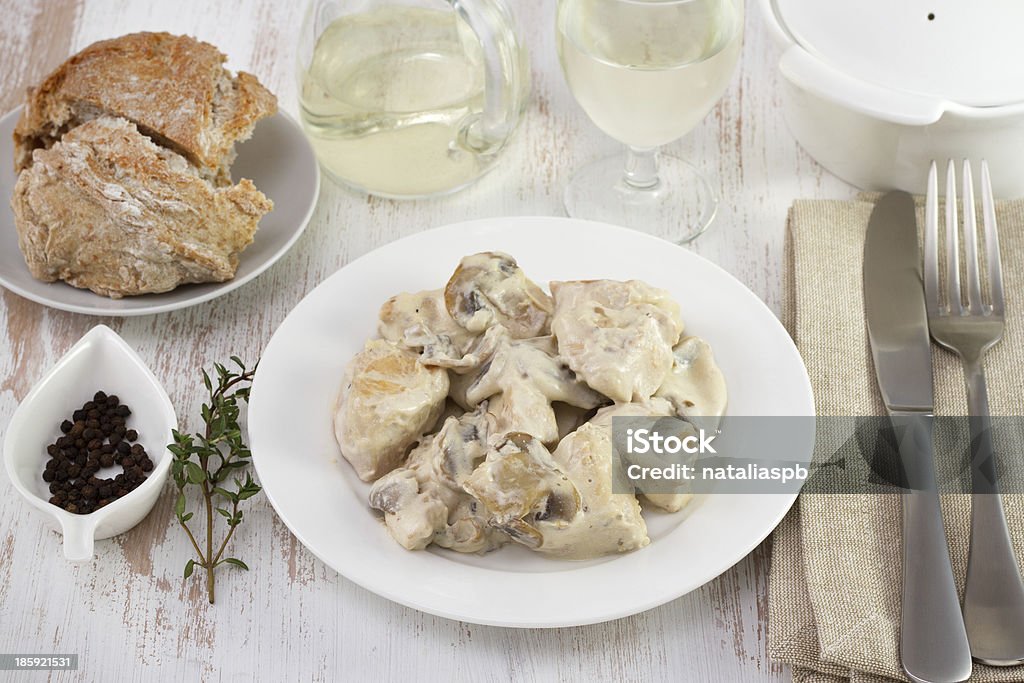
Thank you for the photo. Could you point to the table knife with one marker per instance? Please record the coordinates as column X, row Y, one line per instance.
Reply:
column 933, row 640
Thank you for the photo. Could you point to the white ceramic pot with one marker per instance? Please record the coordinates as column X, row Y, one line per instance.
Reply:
column 874, row 90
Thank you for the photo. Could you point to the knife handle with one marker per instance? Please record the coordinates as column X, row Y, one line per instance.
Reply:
column 933, row 640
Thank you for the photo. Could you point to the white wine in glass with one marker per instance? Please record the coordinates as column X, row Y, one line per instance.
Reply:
column 647, row 72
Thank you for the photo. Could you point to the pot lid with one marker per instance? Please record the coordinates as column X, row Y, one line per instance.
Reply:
column 964, row 52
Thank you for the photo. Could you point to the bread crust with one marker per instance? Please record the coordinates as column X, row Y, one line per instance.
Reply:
column 174, row 88
column 108, row 210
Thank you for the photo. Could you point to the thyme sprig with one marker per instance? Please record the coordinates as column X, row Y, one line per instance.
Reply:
column 206, row 459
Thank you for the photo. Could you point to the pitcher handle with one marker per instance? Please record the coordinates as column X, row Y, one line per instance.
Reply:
column 504, row 63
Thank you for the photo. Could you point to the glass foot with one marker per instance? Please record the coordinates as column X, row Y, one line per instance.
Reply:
column 678, row 207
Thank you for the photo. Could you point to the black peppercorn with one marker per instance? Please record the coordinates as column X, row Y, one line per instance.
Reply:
column 96, row 436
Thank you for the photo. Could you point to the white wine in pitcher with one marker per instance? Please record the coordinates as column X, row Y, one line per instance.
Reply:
column 389, row 99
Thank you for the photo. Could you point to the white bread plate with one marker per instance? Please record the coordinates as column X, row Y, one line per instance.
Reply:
column 279, row 161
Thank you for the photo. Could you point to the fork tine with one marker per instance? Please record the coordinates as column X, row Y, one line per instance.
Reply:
column 952, row 242
column 992, row 259
column 971, row 242
column 931, row 243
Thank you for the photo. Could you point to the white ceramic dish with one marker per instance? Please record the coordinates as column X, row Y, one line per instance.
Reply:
column 324, row 504
column 875, row 90
column 101, row 360
column 278, row 159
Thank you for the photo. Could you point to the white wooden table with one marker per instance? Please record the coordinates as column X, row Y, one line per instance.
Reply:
column 129, row 614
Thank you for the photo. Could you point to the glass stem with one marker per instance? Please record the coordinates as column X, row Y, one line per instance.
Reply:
column 642, row 167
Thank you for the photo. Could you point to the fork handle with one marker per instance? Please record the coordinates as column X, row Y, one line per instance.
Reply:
column 983, row 471
column 994, row 592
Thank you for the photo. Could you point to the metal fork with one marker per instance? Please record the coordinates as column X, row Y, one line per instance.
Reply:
column 994, row 593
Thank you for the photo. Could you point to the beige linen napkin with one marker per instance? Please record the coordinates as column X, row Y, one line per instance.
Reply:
column 834, row 593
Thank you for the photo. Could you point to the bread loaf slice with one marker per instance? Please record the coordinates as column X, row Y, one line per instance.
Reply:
column 174, row 88
column 107, row 209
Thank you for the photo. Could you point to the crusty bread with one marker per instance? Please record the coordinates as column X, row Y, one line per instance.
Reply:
column 174, row 88
column 107, row 209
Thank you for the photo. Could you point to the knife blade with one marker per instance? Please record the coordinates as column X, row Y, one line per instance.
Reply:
column 933, row 640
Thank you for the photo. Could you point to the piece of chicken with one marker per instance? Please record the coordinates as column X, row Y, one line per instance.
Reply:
column 421, row 322
column 423, row 502
column 523, row 377
column 617, row 336
column 490, row 288
column 610, row 520
column 672, row 497
column 573, row 503
column 523, row 490
column 388, row 400
column 695, row 386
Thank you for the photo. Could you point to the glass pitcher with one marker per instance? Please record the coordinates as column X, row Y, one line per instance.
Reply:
column 410, row 98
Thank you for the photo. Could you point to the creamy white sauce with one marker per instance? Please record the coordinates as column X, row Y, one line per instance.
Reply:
column 530, row 371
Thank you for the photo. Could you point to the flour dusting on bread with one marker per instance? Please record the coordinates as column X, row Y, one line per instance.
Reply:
column 124, row 155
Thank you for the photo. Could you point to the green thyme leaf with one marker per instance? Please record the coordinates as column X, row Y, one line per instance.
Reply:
column 196, row 474
column 201, row 461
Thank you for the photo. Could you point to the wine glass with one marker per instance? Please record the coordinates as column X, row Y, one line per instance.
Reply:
column 647, row 72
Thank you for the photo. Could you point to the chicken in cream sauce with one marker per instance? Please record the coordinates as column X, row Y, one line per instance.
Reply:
column 483, row 416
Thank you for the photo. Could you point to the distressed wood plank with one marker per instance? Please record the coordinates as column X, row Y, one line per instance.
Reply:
column 130, row 614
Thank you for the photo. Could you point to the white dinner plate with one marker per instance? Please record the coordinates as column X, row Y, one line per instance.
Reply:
column 322, row 501
column 278, row 160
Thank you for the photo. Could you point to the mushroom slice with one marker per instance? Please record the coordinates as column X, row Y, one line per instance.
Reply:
column 490, row 288
column 413, row 514
column 421, row 322
column 695, row 386
column 670, row 501
column 523, row 490
column 467, row 529
column 523, row 377
column 461, row 445
column 617, row 336
column 388, row 400
column 423, row 502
